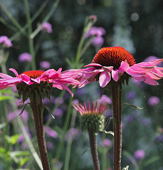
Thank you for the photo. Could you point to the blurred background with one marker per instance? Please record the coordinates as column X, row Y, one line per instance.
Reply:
column 133, row 24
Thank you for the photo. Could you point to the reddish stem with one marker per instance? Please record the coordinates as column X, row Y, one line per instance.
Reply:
column 36, row 106
column 93, row 146
column 116, row 99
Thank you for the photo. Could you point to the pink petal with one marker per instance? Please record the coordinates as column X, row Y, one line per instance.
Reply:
column 124, row 66
column 151, row 82
column 115, row 75
column 93, row 65
column 5, row 76
column 26, row 79
column 14, row 71
column 104, row 79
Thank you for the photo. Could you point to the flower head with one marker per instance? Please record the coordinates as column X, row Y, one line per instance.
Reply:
column 92, row 117
column 37, row 81
column 117, row 64
column 5, row 41
column 139, row 154
column 47, row 27
column 25, row 57
column 96, row 33
column 153, row 100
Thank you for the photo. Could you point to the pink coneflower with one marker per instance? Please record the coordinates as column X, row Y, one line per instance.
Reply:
column 116, row 64
column 37, row 78
column 112, row 66
column 36, row 85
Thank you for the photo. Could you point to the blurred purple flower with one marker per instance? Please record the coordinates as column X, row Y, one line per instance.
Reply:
column 97, row 41
column 106, row 143
column 5, row 41
column 97, row 33
column 159, row 138
column 58, row 112
column 145, row 121
column 139, row 154
column 50, row 132
column 105, row 99
column 25, row 57
column 19, row 102
column 153, row 100
column 50, row 145
column 59, row 100
column 47, row 27
column 131, row 95
column 13, row 115
column 44, row 64
column 72, row 133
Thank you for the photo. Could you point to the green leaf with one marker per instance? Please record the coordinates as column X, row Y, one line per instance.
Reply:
column 5, row 98
column 12, row 139
column 134, row 106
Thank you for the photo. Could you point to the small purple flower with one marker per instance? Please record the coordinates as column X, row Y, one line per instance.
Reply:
column 13, row 115
column 106, row 143
column 139, row 154
column 50, row 132
column 58, row 112
column 97, row 41
column 47, row 27
column 59, row 100
column 95, row 31
column 44, row 64
column 153, row 100
column 50, row 145
column 159, row 138
column 25, row 57
column 72, row 133
column 5, row 41
column 131, row 95
column 105, row 99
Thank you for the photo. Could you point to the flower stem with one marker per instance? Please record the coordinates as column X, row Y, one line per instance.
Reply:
column 116, row 99
column 36, row 105
column 93, row 146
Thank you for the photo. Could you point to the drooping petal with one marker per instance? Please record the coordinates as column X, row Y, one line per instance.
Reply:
column 104, row 79
column 14, row 71
column 93, row 65
column 115, row 75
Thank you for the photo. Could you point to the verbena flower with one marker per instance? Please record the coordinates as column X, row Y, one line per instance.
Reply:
column 153, row 100
column 37, row 80
column 97, row 34
column 47, row 27
column 117, row 64
column 5, row 41
column 92, row 117
column 25, row 57
column 139, row 154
